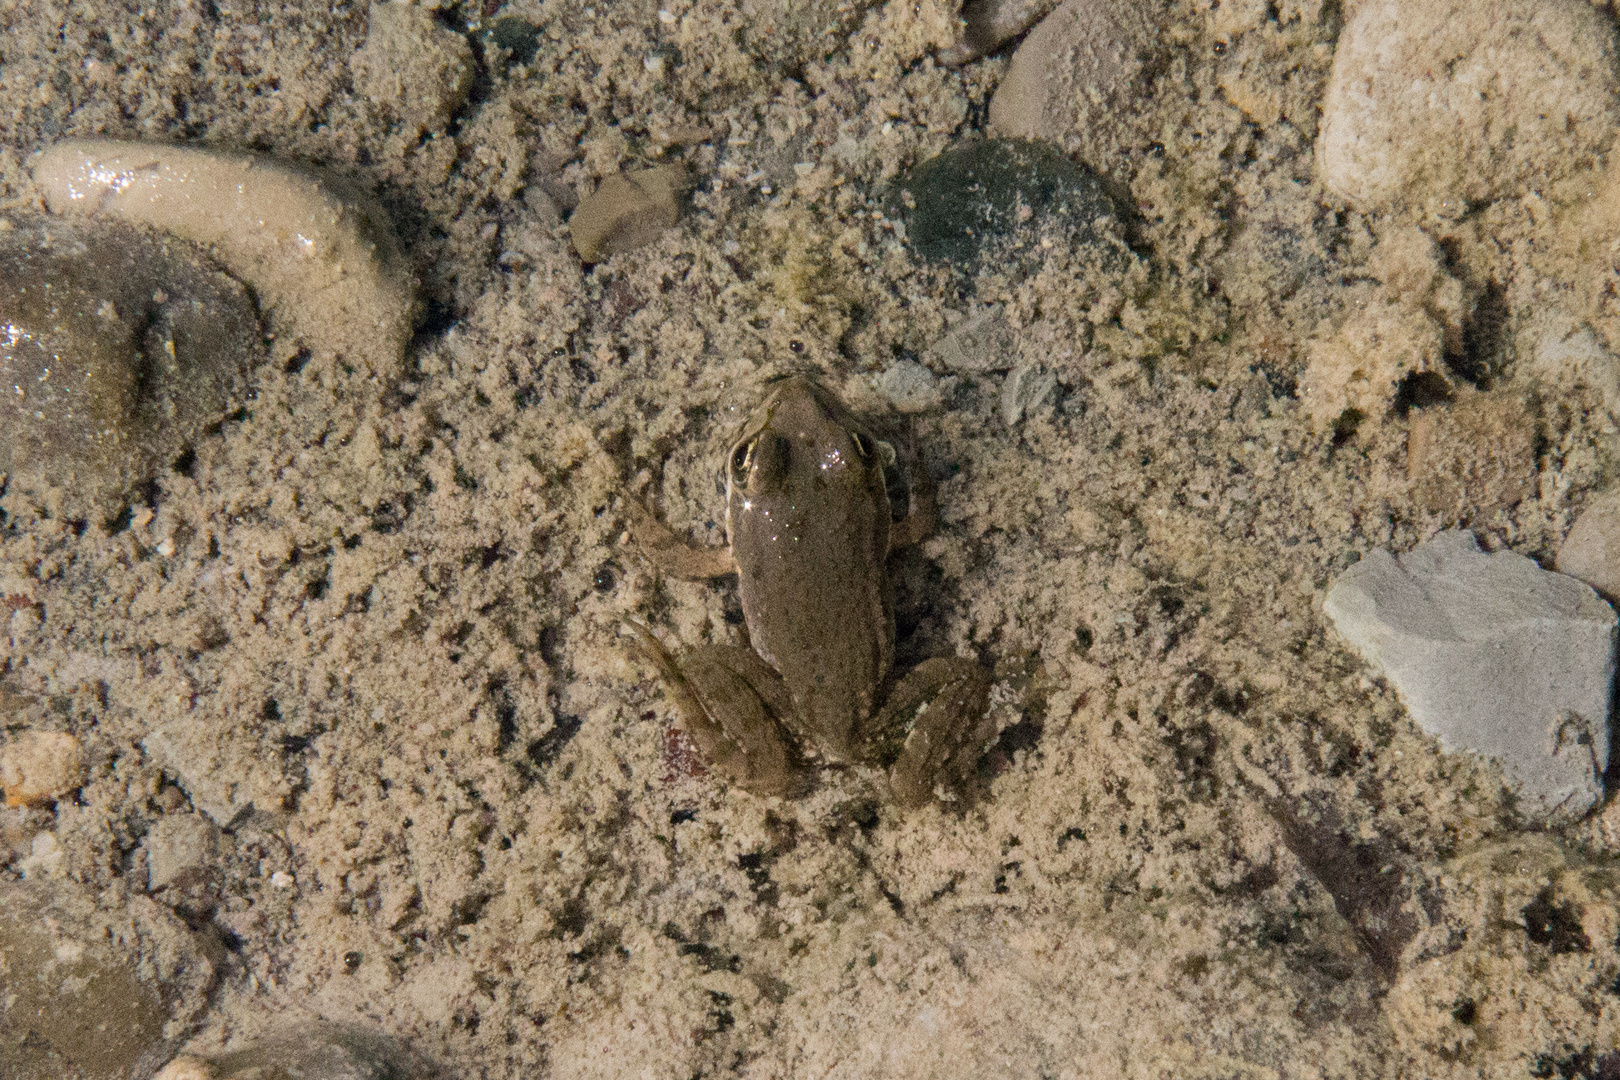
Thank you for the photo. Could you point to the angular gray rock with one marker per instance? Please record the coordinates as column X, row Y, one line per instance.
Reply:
column 1493, row 655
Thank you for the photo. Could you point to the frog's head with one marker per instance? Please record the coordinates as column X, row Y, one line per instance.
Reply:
column 802, row 437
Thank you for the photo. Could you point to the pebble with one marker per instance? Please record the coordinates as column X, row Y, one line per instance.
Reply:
column 321, row 257
column 1437, row 106
column 627, row 211
column 987, row 193
column 181, row 850
column 1076, row 77
column 516, row 39
column 413, row 67
column 76, row 1000
column 909, row 387
column 38, row 767
column 1025, row 389
column 1591, row 551
column 1492, row 655
column 982, row 342
column 123, row 348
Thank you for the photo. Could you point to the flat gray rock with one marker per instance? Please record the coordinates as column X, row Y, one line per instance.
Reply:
column 1492, row 655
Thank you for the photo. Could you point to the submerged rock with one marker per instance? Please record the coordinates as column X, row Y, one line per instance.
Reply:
column 990, row 192
column 414, row 68
column 92, row 995
column 1443, row 105
column 119, row 348
column 321, row 256
column 1079, row 78
column 987, row 24
column 1492, row 655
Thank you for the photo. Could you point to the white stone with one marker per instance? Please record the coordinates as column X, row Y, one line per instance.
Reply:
column 1027, row 387
column 1462, row 101
column 909, row 387
column 180, row 851
column 1492, row 655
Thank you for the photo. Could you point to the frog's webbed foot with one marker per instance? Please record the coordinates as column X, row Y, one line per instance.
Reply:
column 669, row 551
column 729, row 701
column 943, row 701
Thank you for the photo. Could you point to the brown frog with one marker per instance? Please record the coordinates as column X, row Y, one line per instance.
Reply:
column 810, row 532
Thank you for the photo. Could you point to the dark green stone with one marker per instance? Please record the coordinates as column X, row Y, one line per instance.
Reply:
column 519, row 38
column 968, row 199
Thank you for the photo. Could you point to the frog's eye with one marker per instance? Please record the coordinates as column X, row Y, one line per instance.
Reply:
column 741, row 457
column 863, row 445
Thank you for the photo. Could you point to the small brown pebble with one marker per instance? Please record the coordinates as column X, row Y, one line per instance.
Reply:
column 39, row 766
column 628, row 211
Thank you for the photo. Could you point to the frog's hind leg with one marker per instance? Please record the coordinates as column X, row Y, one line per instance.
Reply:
column 944, row 701
column 669, row 551
column 730, row 702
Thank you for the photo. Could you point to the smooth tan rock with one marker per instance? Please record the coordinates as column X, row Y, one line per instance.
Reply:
column 1441, row 105
column 321, row 256
column 627, row 211
column 1074, row 79
column 1591, row 551
column 40, row 766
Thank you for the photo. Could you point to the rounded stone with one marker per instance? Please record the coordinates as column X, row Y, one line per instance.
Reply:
column 92, row 994
column 1443, row 106
column 117, row 349
column 984, row 193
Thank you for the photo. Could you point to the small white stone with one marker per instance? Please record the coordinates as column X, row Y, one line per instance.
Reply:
column 909, row 387
column 1492, row 655
column 282, row 880
column 1026, row 388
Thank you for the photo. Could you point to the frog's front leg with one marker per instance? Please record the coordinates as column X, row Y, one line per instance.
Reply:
column 732, row 705
column 669, row 551
column 938, row 708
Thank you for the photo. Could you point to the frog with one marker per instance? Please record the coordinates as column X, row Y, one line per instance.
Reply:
column 810, row 531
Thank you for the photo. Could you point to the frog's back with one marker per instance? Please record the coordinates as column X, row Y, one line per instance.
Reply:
column 809, row 525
